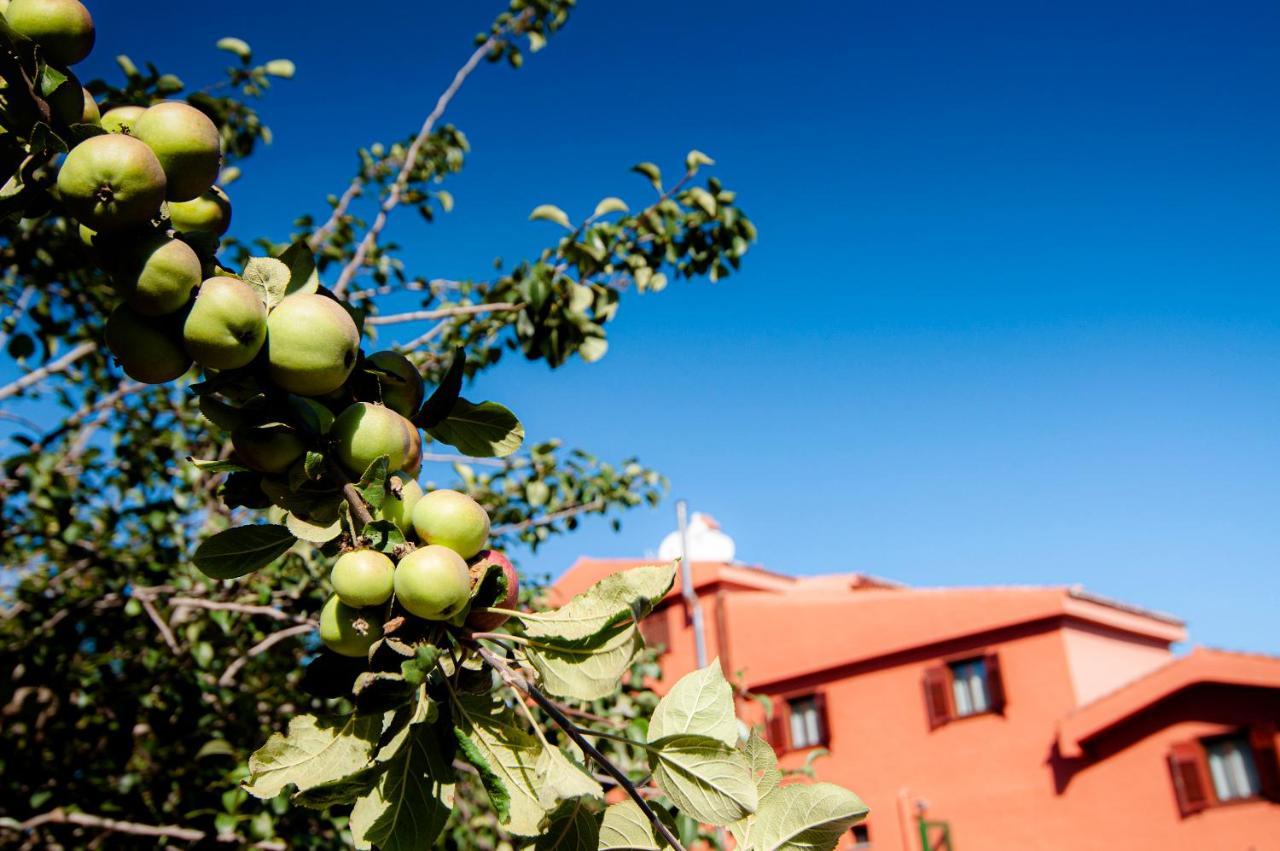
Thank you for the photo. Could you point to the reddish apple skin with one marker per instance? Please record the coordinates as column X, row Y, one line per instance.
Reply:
column 479, row 566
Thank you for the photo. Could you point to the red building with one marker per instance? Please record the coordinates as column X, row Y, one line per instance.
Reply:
column 991, row 718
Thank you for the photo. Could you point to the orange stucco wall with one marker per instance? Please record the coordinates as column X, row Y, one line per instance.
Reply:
column 1101, row 660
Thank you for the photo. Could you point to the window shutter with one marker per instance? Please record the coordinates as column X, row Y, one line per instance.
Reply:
column 1190, row 781
column 824, row 729
column 778, row 725
column 995, row 683
column 937, row 695
column 1263, row 739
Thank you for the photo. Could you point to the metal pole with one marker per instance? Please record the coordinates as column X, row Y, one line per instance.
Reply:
column 692, row 608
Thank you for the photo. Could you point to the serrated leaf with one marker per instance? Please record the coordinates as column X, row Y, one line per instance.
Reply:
column 562, row 779
column 234, row 45
column 486, row 430
column 764, row 765
column 314, row 751
column 625, row 828
column 283, row 68
column 802, row 817
column 628, row 594
column 507, row 758
column 587, row 673
column 241, row 550
column 572, row 827
column 550, row 213
column 373, row 484
column 706, row 779
column 611, row 205
column 701, row 703
column 269, row 277
column 301, row 263
column 650, row 171
column 313, row 533
column 411, row 803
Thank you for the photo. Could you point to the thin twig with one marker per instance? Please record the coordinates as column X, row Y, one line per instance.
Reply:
column 229, row 675
column 160, row 623
column 133, row 828
column 19, row 310
column 435, row 285
column 594, row 505
column 51, row 368
column 448, row 458
column 549, row 706
column 242, row 608
column 443, row 313
column 321, row 234
column 358, row 507
column 410, row 162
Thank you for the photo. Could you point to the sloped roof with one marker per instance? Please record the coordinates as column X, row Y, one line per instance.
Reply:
column 1201, row 666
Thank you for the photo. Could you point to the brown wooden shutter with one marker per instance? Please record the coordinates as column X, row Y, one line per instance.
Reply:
column 995, row 683
column 1263, row 739
column 1190, row 780
column 778, row 725
column 937, row 695
column 824, row 729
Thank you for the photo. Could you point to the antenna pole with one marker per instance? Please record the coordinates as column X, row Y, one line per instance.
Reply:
column 693, row 609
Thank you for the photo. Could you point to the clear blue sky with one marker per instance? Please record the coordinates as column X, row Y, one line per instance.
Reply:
column 1013, row 316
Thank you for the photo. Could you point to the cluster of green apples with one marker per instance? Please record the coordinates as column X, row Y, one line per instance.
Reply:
column 434, row 581
column 142, row 190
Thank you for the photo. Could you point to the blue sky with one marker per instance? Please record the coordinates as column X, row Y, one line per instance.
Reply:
column 1013, row 316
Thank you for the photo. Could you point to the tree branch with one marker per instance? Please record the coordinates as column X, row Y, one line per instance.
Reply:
column 19, row 310
column 160, row 623
column 443, row 313
column 229, row 675
column 549, row 706
column 321, row 234
column 188, row 834
column 242, row 608
column 594, row 505
column 410, row 161
column 51, row 368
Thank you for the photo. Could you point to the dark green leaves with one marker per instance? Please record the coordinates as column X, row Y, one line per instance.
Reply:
column 242, row 550
column 485, row 430
column 446, row 395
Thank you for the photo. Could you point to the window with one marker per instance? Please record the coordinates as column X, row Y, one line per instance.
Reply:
column 1222, row 769
column 861, row 836
column 799, row 722
column 969, row 687
column 1232, row 769
column 963, row 688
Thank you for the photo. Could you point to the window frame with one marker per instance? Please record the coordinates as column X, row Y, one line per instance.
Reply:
column 940, row 706
column 778, row 727
column 1245, row 743
column 1192, row 757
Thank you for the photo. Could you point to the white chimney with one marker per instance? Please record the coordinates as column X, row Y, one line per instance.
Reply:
column 706, row 541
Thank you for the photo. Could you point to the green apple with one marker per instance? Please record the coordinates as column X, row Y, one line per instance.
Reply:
column 210, row 212
column 365, row 431
column 121, row 118
column 413, row 464
column 148, row 350
column 269, row 448
column 157, row 276
column 452, row 519
column 312, row 344
column 111, row 182
column 187, row 144
column 479, row 567
column 347, row 631
column 398, row 507
column 432, row 582
column 90, row 114
column 227, row 324
column 363, row 578
column 66, row 103
column 401, row 385
column 63, row 28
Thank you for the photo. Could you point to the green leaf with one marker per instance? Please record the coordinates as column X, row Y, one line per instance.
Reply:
column 314, row 751
column 550, row 213
column 313, row 533
column 485, row 430
column 446, row 200
column 507, row 757
column 593, row 348
column 629, row 594
column 703, row 199
column 701, row 703
column 373, row 484
column 242, row 550
column 764, row 765
column 625, row 828
column 303, row 277
column 696, row 158
column 445, row 396
column 411, row 803
column 269, row 277
column 236, row 46
column 587, row 673
column 572, row 827
column 706, row 778
column 650, row 171
column 283, row 68
column 537, row 41
column 611, row 205
column 561, row 779
column 806, row 817
column 218, row 466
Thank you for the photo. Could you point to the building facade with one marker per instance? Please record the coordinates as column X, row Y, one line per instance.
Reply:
column 989, row 718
